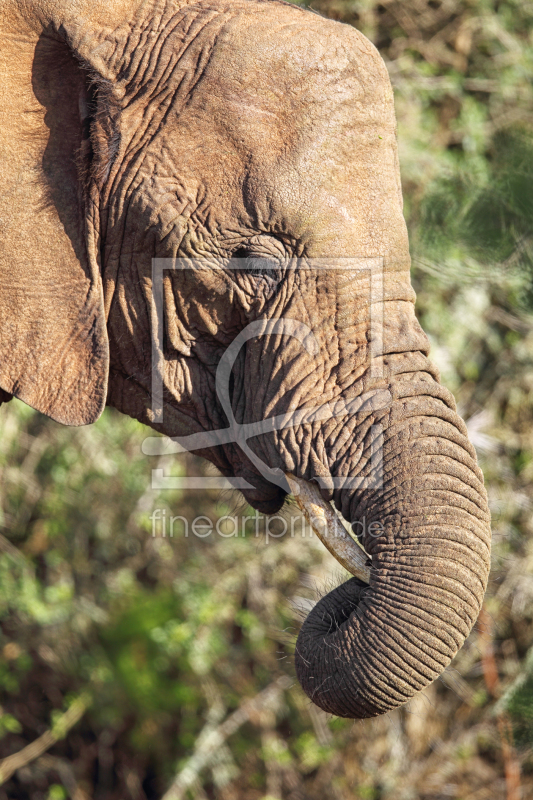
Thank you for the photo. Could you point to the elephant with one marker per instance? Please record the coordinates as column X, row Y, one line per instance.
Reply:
column 250, row 132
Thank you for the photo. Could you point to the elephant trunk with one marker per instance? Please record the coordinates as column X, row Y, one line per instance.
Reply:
column 367, row 648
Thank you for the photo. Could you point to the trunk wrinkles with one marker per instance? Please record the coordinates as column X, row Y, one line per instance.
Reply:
column 365, row 649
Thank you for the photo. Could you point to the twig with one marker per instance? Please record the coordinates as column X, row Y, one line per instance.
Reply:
column 8, row 547
column 328, row 528
column 66, row 774
column 505, row 729
column 208, row 744
column 58, row 731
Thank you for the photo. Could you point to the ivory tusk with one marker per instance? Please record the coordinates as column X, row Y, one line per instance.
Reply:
column 329, row 529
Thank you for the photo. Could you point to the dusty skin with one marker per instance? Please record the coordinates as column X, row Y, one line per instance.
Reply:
column 253, row 130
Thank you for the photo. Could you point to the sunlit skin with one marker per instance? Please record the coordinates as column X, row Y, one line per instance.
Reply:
column 247, row 130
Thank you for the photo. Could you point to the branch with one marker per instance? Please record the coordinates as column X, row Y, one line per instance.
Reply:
column 209, row 741
column 66, row 774
column 505, row 728
column 58, row 731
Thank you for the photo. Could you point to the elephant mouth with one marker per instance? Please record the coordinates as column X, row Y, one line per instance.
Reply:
column 329, row 528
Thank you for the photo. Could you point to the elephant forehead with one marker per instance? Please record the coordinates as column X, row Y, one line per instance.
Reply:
column 260, row 116
column 302, row 109
column 287, row 72
column 260, row 38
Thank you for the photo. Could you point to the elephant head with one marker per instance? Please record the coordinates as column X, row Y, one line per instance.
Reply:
column 242, row 132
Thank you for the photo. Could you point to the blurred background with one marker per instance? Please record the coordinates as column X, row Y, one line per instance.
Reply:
column 140, row 666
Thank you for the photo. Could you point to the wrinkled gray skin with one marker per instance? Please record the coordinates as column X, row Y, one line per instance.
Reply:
column 242, row 129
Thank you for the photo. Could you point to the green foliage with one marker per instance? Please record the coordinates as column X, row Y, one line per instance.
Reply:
column 9, row 724
column 57, row 792
column 518, row 702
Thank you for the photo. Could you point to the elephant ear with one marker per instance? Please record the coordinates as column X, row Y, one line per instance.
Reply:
column 53, row 341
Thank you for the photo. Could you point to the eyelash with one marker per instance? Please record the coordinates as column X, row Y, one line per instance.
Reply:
column 256, row 264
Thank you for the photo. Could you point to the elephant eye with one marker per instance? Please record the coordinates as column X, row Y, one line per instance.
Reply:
column 256, row 264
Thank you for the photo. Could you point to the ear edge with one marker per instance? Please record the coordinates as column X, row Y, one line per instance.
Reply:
column 54, row 352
